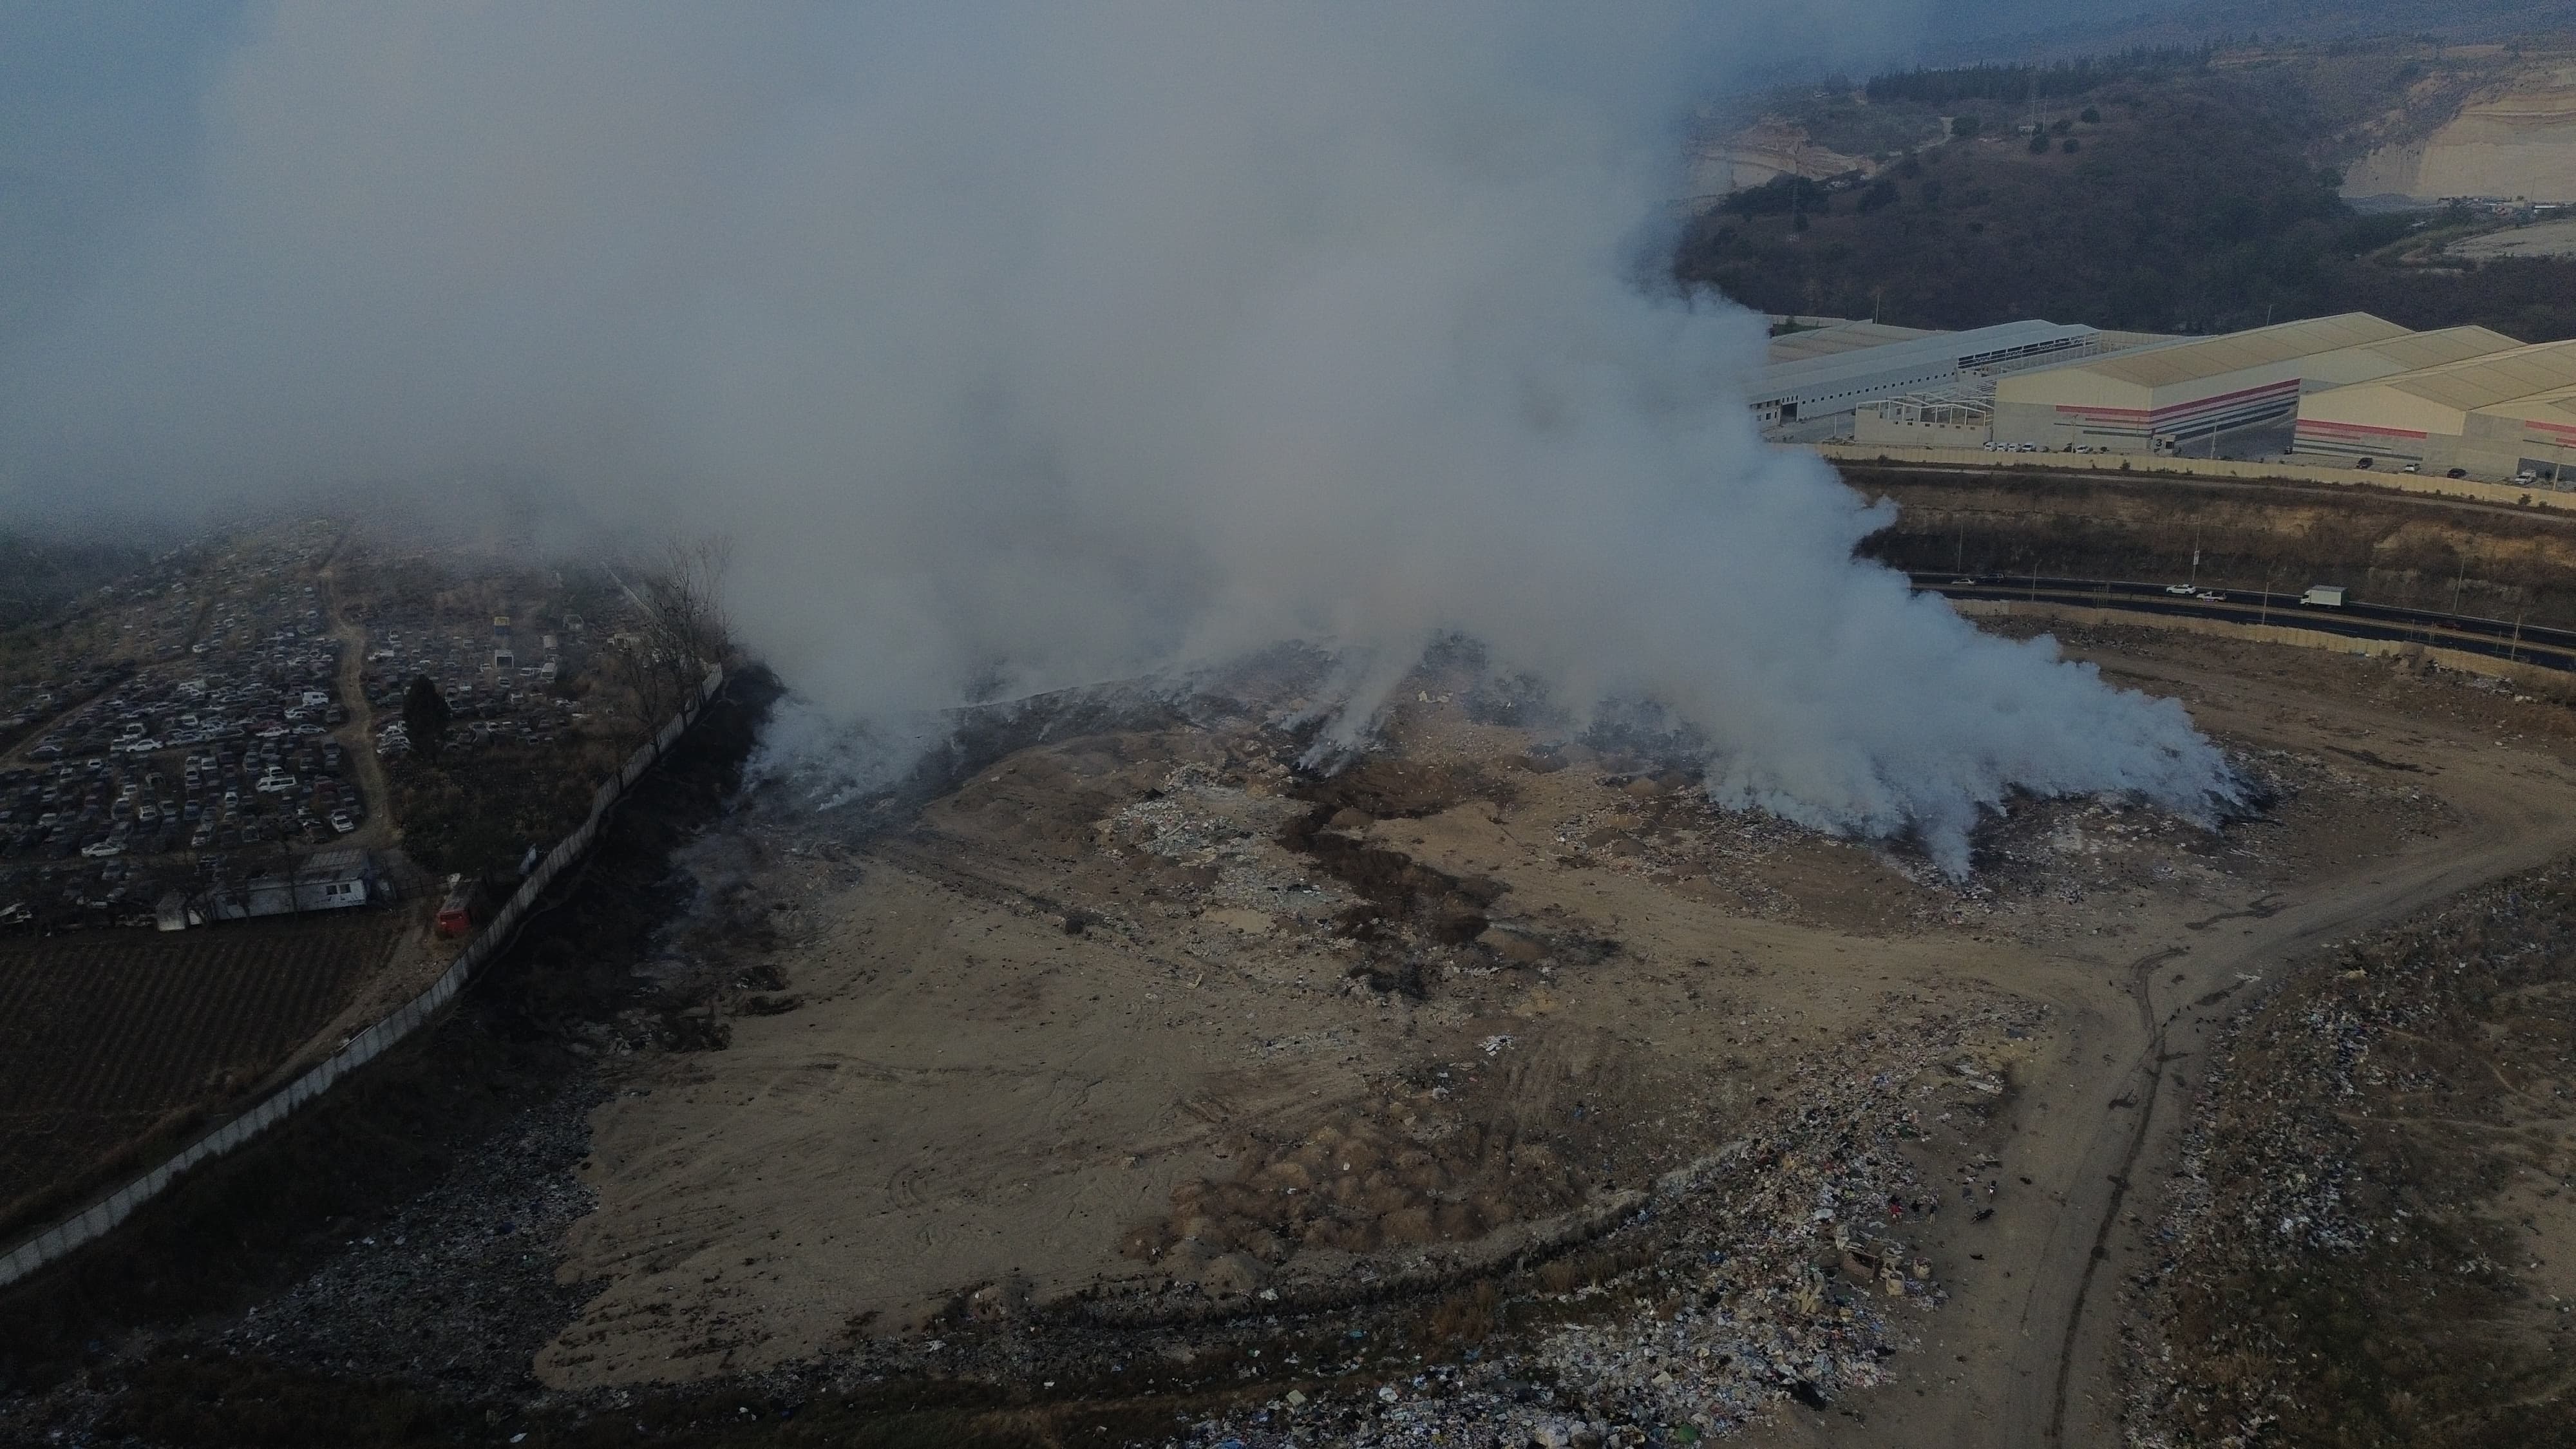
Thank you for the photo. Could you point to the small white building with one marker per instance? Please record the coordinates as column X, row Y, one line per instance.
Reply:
column 326, row 880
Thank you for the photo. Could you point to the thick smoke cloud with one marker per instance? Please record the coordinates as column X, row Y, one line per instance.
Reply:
column 1024, row 346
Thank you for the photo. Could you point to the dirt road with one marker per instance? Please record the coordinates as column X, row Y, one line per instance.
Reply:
column 2026, row 1352
column 357, row 736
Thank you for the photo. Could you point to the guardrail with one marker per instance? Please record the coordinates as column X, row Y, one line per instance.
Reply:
column 102, row 1216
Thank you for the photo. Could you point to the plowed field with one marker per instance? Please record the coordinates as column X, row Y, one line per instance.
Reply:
column 106, row 1035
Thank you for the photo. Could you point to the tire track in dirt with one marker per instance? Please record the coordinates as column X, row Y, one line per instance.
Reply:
column 2142, row 987
column 2512, row 831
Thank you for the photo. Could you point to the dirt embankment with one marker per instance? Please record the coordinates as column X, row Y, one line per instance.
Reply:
column 2415, row 553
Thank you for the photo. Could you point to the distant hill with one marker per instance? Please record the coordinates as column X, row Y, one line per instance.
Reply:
column 40, row 575
column 2181, row 191
column 2045, row 32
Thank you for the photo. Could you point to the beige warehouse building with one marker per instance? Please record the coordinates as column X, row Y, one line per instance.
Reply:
column 2164, row 395
column 2534, row 435
column 2425, row 417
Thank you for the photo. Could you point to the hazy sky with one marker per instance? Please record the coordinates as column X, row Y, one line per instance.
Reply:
column 99, row 98
column 1025, row 345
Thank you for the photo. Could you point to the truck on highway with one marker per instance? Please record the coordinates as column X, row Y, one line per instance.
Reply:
column 2323, row 596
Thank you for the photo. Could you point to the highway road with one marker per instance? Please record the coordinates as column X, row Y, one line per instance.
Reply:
column 2506, row 639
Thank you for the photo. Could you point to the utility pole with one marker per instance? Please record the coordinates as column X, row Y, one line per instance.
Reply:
column 2195, row 556
column 2456, row 585
column 2265, row 614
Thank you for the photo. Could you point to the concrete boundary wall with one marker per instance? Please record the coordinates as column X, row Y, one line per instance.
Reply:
column 94, row 1221
column 2137, row 465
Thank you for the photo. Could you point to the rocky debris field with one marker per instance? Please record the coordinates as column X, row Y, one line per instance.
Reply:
column 2375, row 1235
column 448, row 1295
column 1781, row 1272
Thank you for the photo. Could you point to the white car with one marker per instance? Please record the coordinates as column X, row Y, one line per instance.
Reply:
column 2210, row 596
column 99, row 849
column 274, row 784
column 341, row 822
column 2180, row 591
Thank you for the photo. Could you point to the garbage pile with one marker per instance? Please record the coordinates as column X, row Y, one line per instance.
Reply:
column 2340, row 1168
column 1779, row 1273
column 458, row 1285
column 1198, row 821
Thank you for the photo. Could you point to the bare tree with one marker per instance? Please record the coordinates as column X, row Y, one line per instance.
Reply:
column 682, row 628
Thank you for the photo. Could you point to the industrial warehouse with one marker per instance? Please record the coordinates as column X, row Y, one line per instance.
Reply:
column 2505, row 414
column 2352, row 390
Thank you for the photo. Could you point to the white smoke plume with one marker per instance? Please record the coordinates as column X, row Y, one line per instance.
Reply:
column 1024, row 345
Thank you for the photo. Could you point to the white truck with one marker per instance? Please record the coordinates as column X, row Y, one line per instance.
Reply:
column 2322, row 596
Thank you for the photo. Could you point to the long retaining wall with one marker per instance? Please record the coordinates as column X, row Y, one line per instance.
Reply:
column 2168, row 465
column 102, row 1216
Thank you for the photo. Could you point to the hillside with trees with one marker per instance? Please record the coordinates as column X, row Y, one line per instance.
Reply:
column 2157, row 192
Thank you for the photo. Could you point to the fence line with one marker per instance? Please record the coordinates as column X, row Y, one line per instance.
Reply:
column 94, row 1221
column 2148, row 466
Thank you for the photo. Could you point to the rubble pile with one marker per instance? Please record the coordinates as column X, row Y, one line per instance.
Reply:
column 1778, row 1272
column 2341, row 1170
column 452, row 1292
column 1198, row 821
column 467, row 1269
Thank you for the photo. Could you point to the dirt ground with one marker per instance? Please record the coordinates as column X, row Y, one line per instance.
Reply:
column 112, row 1040
column 1148, row 1027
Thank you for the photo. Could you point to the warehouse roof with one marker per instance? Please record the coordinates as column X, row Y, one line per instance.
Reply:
column 2557, row 407
column 2411, row 352
column 2486, row 381
column 2194, row 358
column 1952, row 349
column 1839, row 337
column 2438, row 348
